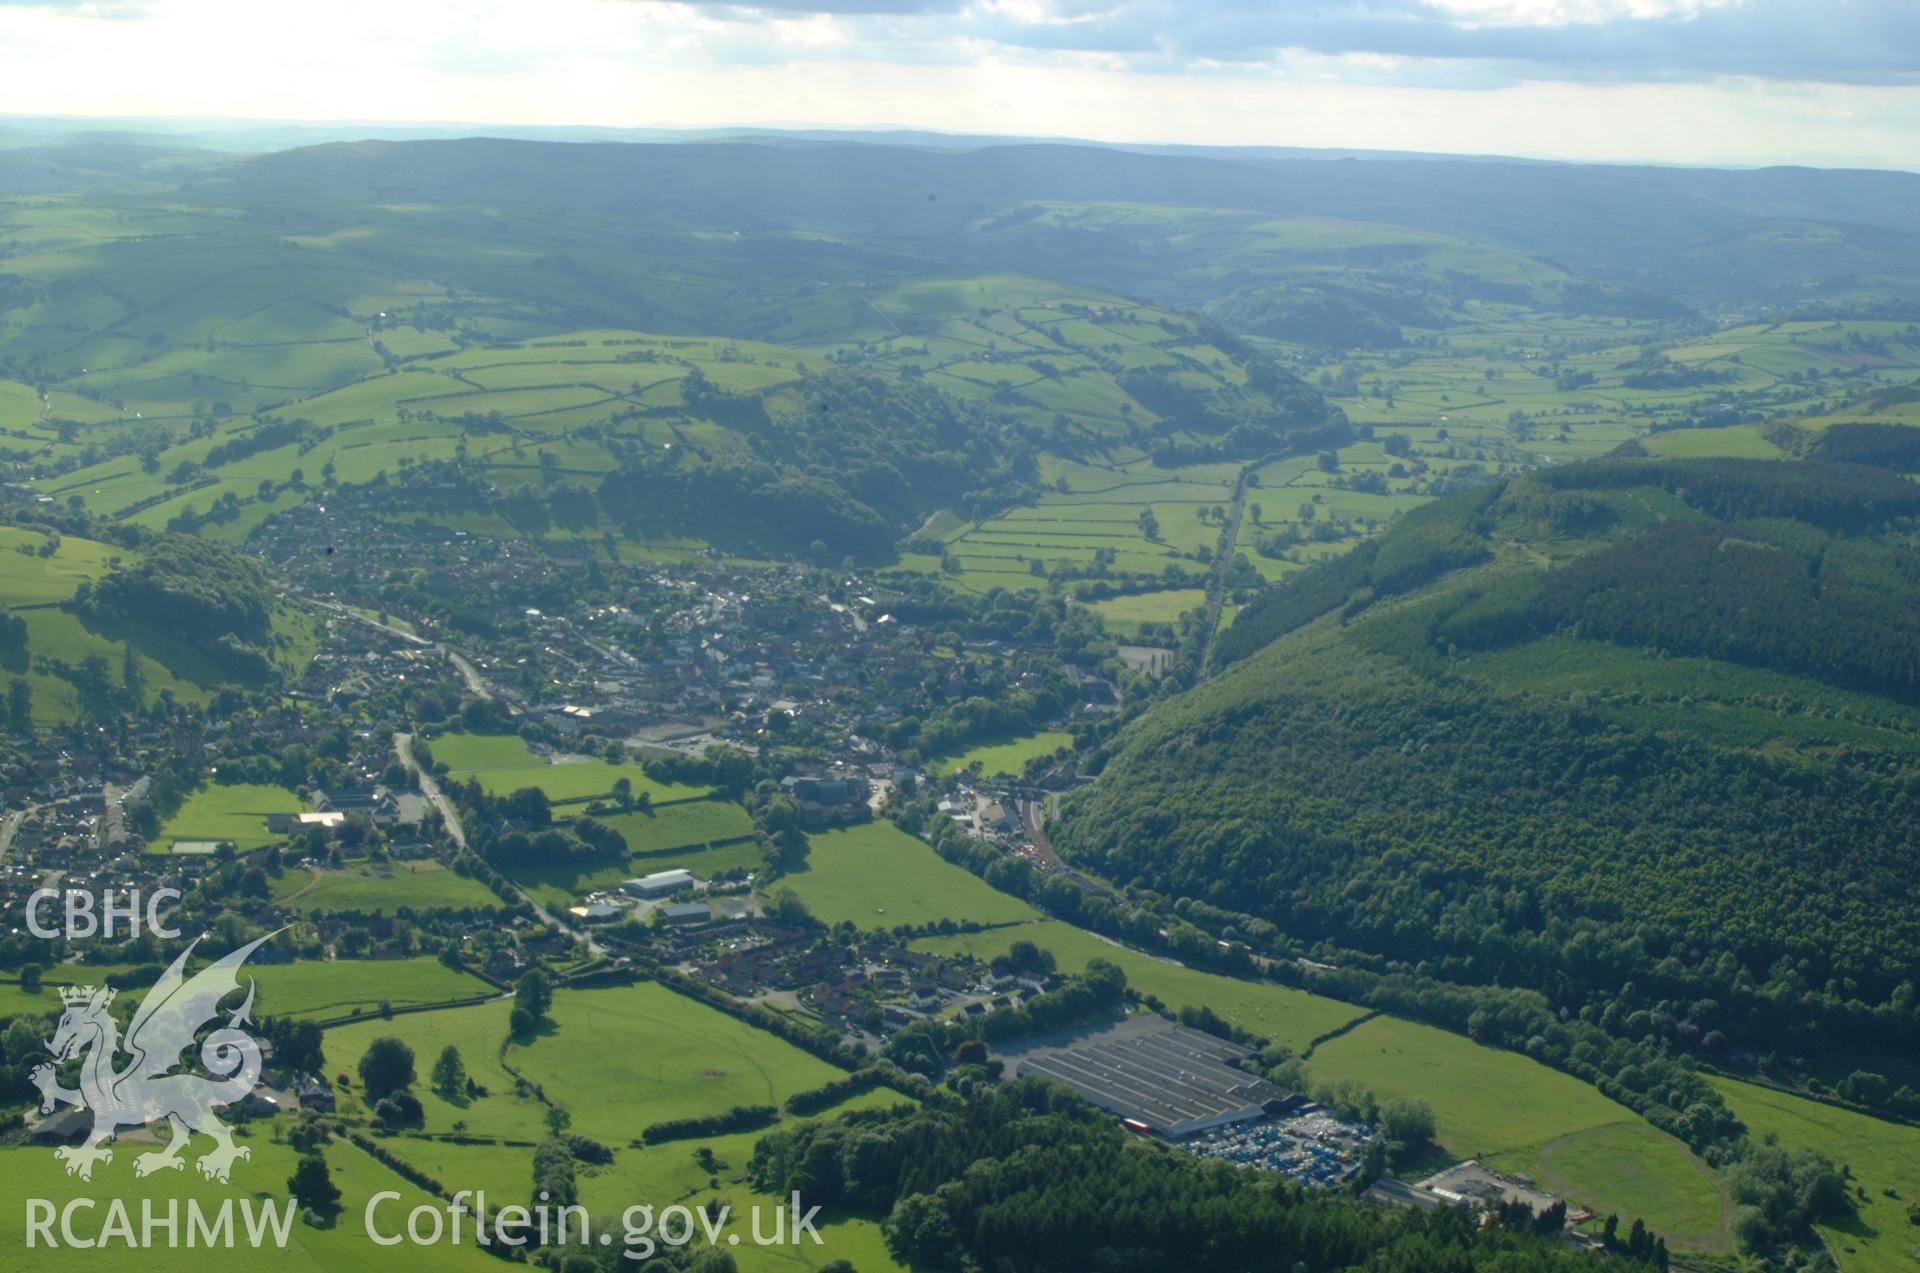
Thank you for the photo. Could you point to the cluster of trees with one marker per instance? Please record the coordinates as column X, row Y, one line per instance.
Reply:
column 1026, row 1177
column 267, row 435
column 532, row 999
column 386, row 1077
column 201, row 591
column 518, row 829
column 741, row 1118
column 1781, row 1195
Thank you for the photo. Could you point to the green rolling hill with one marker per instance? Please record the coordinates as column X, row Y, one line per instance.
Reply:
column 1630, row 734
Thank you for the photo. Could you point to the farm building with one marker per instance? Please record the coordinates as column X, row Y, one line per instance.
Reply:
column 686, row 913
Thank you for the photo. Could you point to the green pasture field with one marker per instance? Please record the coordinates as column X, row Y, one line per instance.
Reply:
column 622, row 1058
column 1882, row 1156
column 877, row 876
column 322, row 989
column 1008, row 757
column 1520, row 1116
column 237, row 813
column 15, row 1001
column 478, row 1032
column 1280, row 1013
column 1740, row 441
column 422, row 885
column 346, row 986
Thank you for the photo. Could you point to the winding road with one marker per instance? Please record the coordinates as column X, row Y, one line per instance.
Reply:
column 450, row 817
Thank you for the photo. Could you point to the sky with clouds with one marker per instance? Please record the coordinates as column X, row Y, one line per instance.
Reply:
column 1812, row 81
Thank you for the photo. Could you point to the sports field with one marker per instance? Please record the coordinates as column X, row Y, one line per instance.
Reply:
column 504, row 764
column 1008, row 757
column 877, row 876
column 221, row 812
column 687, row 824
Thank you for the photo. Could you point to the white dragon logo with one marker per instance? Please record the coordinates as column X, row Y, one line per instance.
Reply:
column 147, row 1091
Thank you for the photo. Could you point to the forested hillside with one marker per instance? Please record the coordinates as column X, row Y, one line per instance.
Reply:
column 1633, row 734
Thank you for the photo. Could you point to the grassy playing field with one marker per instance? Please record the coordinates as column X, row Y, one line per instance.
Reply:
column 680, row 826
column 877, row 876
column 1124, row 615
column 221, row 812
column 422, row 885
column 1882, row 1156
column 1008, row 757
column 503, row 764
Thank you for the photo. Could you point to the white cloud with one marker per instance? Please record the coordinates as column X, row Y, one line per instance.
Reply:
column 609, row 62
column 1554, row 13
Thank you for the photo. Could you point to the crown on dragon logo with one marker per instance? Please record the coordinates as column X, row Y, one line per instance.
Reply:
column 168, row 1022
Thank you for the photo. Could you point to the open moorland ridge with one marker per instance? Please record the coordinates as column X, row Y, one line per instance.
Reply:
column 718, row 666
